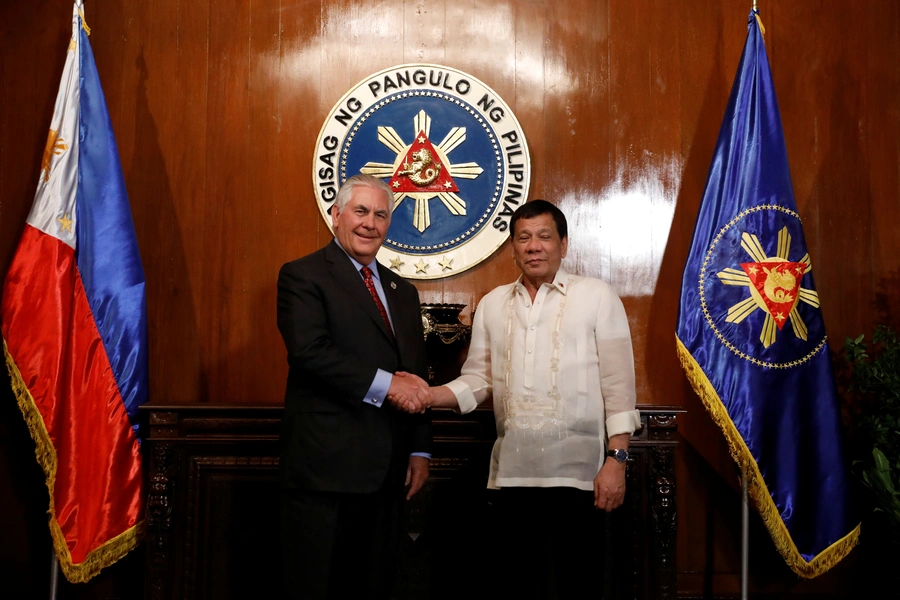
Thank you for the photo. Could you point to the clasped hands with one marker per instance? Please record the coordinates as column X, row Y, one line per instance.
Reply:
column 409, row 393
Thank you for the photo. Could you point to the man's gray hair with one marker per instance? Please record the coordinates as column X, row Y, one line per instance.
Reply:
column 346, row 191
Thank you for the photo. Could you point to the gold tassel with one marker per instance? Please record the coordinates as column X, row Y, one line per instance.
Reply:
column 756, row 486
column 103, row 555
column 84, row 24
column 762, row 29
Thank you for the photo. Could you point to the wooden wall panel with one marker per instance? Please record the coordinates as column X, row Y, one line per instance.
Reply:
column 297, row 226
column 635, row 213
column 231, row 205
column 883, row 137
column 216, row 105
column 255, row 276
column 828, row 156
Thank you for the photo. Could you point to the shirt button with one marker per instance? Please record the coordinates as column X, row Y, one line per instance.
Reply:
column 527, row 306
column 532, row 327
column 529, row 352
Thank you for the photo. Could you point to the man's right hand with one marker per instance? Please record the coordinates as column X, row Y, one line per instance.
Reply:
column 409, row 393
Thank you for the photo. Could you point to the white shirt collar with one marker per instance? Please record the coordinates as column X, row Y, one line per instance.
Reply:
column 561, row 281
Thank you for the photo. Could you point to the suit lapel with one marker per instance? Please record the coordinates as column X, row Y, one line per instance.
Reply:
column 396, row 305
column 349, row 278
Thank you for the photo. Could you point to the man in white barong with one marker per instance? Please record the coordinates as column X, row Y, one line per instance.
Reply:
column 554, row 352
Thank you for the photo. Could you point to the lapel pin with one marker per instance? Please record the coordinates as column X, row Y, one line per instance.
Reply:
column 393, row 285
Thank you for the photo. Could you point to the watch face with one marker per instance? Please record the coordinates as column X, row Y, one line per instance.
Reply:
column 620, row 455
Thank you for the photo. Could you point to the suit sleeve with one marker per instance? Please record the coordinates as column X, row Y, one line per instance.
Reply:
column 303, row 323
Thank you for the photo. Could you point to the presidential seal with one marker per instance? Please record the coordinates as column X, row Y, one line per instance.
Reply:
column 764, row 285
column 450, row 149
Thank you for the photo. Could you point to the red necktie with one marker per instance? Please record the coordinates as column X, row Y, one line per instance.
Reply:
column 370, row 285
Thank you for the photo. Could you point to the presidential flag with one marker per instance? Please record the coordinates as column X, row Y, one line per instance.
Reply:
column 750, row 333
column 74, row 328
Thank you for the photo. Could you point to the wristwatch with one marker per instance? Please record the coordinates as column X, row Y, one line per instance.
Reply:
column 618, row 454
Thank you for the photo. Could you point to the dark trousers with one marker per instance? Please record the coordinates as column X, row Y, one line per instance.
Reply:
column 337, row 546
column 550, row 544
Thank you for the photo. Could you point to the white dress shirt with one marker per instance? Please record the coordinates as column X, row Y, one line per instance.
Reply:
column 561, row 373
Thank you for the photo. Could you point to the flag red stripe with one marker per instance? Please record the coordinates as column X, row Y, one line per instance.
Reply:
column 53, row 339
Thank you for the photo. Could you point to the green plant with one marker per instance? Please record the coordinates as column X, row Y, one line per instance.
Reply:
column 875, row 387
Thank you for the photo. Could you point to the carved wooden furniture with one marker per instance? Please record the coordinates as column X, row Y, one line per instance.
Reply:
column 213, row 507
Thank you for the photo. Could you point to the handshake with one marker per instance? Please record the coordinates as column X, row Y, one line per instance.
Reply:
column 409, row 393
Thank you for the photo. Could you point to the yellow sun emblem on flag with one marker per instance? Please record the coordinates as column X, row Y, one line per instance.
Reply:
column 774, row 285
column 54, row 146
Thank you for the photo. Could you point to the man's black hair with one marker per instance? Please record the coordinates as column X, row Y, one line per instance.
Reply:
column 536, row 208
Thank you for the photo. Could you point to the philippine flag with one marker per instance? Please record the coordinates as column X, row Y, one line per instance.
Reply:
column 74, row 325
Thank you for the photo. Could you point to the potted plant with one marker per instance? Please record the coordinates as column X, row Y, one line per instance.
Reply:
column 875, row 435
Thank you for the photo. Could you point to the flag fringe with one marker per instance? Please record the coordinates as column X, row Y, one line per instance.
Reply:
column 105, row 554
column 756, row 485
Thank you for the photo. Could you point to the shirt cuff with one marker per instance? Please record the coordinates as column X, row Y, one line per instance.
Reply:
column 464, row 396
column 624, row 422
column 422, row 454
column 379, row 388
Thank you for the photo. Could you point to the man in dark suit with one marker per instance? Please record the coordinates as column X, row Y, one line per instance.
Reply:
column 347, row 446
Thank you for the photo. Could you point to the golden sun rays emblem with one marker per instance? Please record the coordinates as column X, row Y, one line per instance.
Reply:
column 774, row 285
column 422, row 170
column 55, row 146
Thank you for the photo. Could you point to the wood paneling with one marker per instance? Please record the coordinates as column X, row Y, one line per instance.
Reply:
column 216, row 105
column 883, row 139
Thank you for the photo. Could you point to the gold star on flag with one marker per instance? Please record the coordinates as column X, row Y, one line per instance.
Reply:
column 421, row 266
column 446, row 262
column 66, row 223
column 396, row 263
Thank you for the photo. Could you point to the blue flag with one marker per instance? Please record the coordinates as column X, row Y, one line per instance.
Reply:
column 750, row 333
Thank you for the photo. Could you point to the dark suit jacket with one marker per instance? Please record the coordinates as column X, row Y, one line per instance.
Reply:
column 331, row 440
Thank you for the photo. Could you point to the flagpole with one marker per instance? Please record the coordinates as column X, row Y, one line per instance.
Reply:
column 54, row 574
column 745, row 536
column 745, row 513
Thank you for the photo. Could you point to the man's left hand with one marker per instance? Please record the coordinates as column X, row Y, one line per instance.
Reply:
column 416, row 474
column 609, row 485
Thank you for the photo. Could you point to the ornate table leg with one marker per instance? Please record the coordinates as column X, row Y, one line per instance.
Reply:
column 159, row 520
column 663, row 516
